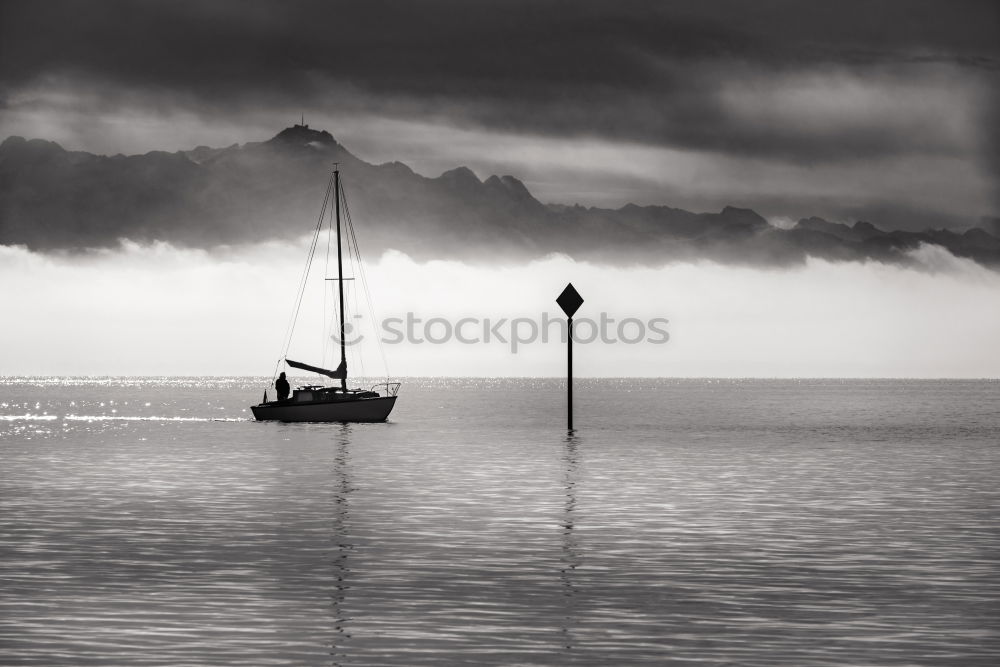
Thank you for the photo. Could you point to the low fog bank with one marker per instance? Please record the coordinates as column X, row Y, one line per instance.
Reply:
column 157, row 309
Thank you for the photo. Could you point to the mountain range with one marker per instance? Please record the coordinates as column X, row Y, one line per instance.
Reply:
column 52, row 199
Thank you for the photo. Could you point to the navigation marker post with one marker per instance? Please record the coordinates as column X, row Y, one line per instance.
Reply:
column 570, row 301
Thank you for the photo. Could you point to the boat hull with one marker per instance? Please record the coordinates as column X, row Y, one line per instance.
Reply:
column 361, row 410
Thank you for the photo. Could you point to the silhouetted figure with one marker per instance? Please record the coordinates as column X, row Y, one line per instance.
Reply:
column 281, row 384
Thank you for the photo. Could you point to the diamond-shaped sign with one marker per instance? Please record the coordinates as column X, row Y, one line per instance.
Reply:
column 570, row 300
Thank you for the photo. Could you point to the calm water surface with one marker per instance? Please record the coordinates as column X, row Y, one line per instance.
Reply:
column 147, row 521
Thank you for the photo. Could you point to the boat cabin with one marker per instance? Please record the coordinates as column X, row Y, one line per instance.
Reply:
column 314, row 393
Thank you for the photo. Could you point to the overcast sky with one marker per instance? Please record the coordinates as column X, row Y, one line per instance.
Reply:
column 878, row 110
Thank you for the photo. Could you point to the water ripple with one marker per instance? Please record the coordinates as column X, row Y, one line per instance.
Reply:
column 687, row 522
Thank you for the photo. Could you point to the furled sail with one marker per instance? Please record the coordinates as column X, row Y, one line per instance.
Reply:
column 339, row 374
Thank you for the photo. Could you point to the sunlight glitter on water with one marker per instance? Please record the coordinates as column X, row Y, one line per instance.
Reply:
column 739, row 522
column 95, row 418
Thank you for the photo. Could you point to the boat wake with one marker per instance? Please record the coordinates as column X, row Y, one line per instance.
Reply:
column 101, row 418
column 40, row 418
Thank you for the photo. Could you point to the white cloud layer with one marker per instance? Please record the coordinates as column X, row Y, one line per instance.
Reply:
column 162, row 310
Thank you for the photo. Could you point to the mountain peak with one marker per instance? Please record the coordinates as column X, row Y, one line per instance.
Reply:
column 511, row 186
column 13, row 141
column 460, row 177
column 744, row 216
column 302, row 135
column 866, row 230
column 16, row 143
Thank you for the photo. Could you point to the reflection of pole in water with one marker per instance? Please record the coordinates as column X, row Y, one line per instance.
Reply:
column 570, row 548
column 342, row 540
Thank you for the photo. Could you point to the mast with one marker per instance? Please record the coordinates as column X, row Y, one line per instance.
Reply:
column 340, row 281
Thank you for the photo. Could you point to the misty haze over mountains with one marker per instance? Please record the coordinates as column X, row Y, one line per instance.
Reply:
column 53, row 200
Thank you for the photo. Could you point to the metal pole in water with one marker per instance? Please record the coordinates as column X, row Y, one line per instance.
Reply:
column 569, row 374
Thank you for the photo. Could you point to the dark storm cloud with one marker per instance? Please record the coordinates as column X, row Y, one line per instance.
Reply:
column 885, row 111
column 641, row 71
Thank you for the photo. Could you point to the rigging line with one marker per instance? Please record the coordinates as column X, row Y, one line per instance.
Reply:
column 364, row 282
column 326, row 274
column 356, row 268
column 304, row 280
column 327, row 335
column 302, row 291
column 305, row 270
column 277, row 365
column 357, row 353
column 357, row 309
column 350, row 308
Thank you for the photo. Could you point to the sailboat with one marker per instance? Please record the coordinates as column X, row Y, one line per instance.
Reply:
column 337, row 403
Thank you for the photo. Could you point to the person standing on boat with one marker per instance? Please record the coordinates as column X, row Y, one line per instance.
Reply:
column 281, row 384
